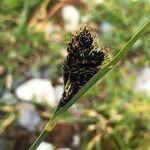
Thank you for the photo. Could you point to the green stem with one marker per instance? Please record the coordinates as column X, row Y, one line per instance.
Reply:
column 49, row 126
column 37, row 142
column 60, row 111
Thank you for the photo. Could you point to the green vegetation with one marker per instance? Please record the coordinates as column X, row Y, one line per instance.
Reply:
column 113, row 114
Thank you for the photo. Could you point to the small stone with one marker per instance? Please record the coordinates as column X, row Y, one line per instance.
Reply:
column 41, row 90
column 29, row 117
column 58, row 92
column 71, row 17
column 76, row 140
column 45, row 146
column 106, row 28
column 143, row 81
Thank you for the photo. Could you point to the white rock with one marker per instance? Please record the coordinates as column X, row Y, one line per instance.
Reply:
column 40, row 90
column 106, row 27
column 71, row 17
column 28, row 117
column 45, row 146
column 143, row 81
column 76, row 140
column 58, row 92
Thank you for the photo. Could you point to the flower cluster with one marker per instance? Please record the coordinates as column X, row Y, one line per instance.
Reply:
column 83, row 61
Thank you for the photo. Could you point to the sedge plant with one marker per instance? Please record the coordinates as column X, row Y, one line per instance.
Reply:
column 82, row 69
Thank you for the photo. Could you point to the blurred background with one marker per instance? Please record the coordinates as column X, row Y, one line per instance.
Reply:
column 113, row 115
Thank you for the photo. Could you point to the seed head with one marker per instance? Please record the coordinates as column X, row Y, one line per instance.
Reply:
column 83, row 61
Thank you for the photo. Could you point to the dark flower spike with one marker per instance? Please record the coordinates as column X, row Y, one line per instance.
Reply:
column 83, row 61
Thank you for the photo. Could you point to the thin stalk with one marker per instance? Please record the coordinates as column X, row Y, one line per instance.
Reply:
column 37, row 142
column 60, row 111
column 49, row 126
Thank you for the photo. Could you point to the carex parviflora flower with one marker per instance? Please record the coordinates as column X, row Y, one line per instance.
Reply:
column 84, row 59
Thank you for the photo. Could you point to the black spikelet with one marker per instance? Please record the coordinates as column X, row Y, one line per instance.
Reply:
column 83, row 61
